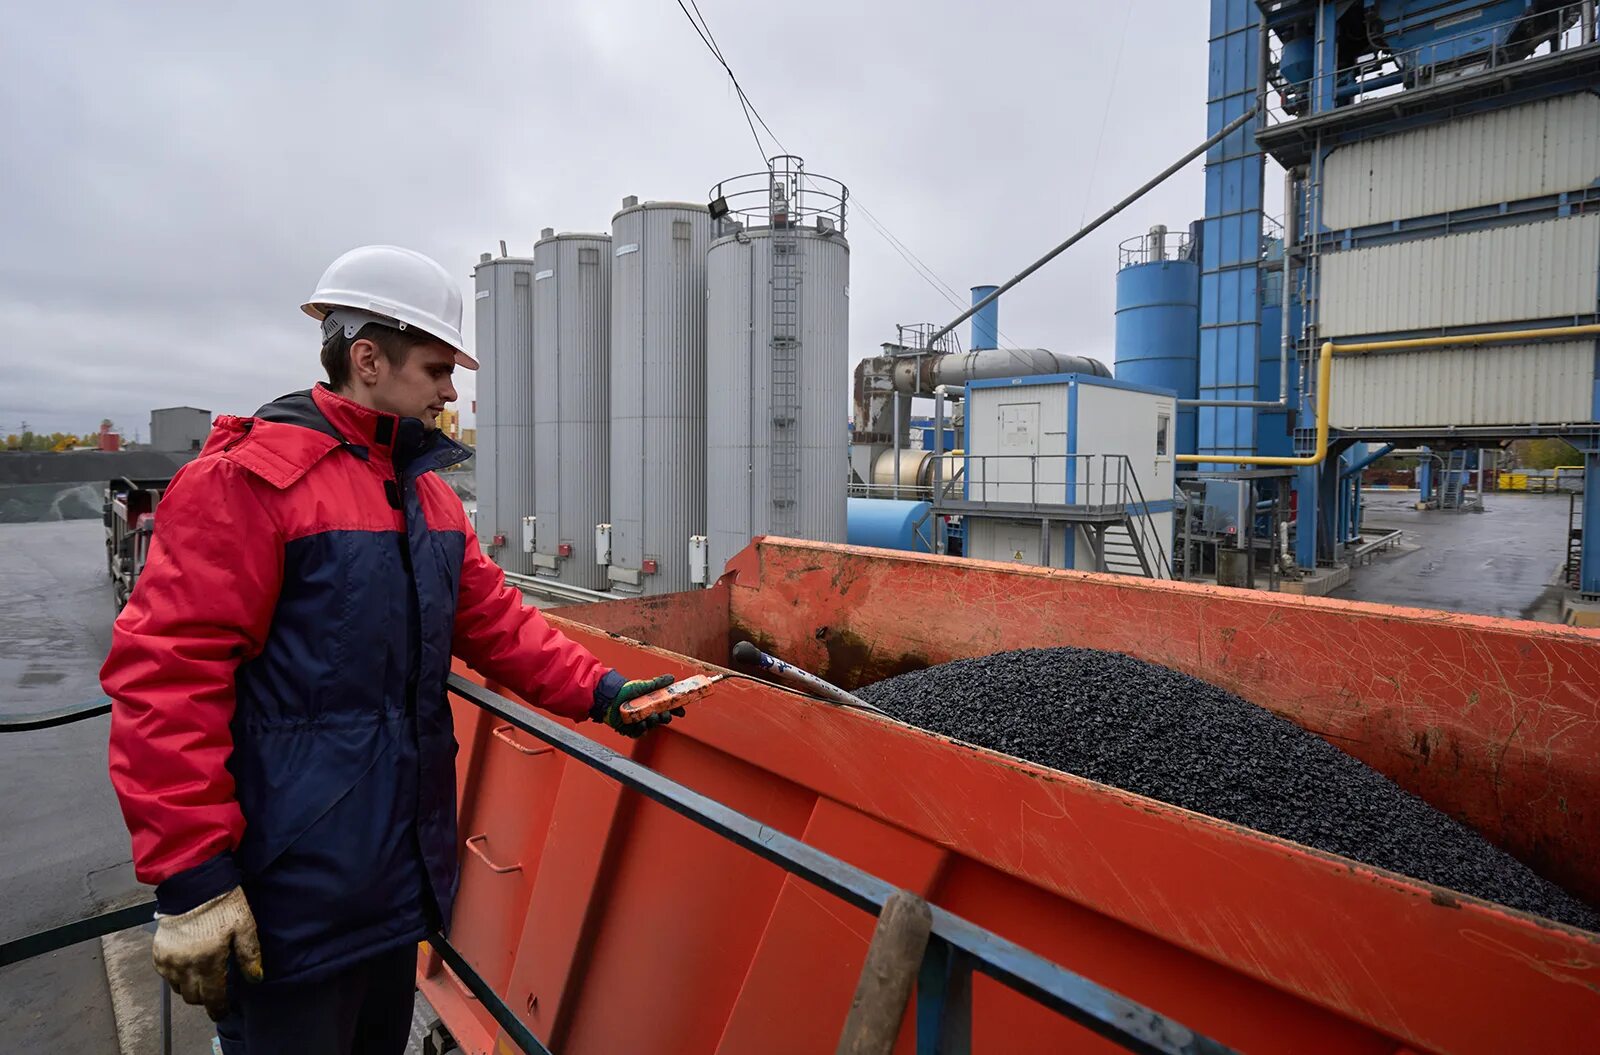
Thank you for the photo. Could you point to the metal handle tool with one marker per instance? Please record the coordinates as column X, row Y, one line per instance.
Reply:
column 789, row 674
column 666, row 699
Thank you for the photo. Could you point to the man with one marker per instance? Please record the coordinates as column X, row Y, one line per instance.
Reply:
column 281, row 741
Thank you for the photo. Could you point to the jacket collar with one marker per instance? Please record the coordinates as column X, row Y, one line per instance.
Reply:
column 293, row 432
column 357, row 425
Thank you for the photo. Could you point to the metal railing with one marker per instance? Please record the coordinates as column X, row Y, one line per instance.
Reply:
column 1156, row 245
column 1505, row 42
column 785, row 195
column 1039, row 482
column 956, row 948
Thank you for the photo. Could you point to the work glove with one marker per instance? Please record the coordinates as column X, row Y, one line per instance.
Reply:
column 609, row 711
column 191, row 950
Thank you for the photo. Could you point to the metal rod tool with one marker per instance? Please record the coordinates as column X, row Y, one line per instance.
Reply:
column 750, row 656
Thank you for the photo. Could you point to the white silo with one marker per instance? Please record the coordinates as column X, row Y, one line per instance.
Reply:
column 503, row 464
column 777, row 360
column 658, row 393
column 571, row 360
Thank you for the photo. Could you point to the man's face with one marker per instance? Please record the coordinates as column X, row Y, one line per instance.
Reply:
column 420, row 387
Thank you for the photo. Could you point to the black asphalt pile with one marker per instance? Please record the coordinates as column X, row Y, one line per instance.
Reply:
column 1165, row 735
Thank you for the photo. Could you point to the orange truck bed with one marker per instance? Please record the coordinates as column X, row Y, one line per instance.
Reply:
column 611, row 924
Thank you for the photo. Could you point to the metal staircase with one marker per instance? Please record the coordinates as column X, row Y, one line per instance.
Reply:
column 1572, row 573
column 1104, row 503
column 787, row 267
column 1454, row 483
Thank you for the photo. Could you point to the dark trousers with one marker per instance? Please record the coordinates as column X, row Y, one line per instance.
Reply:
column 365, row 1010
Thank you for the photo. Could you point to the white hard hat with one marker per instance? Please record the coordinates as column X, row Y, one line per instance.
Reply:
column 399, row 287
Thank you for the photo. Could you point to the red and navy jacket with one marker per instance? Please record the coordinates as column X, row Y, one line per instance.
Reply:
column 279, row 712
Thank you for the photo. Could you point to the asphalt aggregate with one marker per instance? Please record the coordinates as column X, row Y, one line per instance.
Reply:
column 1158, row 733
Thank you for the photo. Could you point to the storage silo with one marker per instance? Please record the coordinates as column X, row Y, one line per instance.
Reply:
column 503, row 464
column 658, row 392
column 571, row 359
column 1158, row 321
column 777, row 360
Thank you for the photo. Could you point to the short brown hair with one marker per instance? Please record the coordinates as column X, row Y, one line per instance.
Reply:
column 395, row 345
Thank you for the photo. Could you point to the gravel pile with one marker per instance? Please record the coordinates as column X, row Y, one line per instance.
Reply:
column 1158, row 733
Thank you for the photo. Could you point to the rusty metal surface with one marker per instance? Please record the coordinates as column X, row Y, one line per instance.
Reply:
column 694, row 623
column 1494, row 721
column 1264, row 944
column 1260, row 943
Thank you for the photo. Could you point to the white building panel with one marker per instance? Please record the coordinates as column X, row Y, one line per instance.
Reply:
column 1503, row 274
column 1522, row 384
column 1523, row 152
column 1018, row 444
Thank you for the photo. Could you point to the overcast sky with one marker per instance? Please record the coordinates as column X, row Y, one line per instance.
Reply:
column 175, row 176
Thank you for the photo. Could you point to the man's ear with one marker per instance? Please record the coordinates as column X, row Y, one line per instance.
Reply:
column 364, row 356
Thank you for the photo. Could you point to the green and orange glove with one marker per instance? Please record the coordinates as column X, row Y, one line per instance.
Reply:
column 613, row 691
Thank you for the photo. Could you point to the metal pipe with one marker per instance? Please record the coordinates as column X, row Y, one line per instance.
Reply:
column 1227, row 130
column 1291, row 234
column 986, row 323
column 1325, row 376
column 899, row 427
column 918, row 375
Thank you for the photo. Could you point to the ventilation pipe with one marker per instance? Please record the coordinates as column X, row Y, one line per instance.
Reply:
column 986, row 320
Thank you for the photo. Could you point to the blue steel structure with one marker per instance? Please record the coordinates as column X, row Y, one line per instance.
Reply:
column 1158, row 331
column 1230, row 234
column 1316, row 62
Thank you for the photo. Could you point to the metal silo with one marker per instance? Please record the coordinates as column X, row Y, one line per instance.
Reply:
column 571, row 359
column 658, row 392
column 777, row 360
column 504, row 460
column 1158, row 321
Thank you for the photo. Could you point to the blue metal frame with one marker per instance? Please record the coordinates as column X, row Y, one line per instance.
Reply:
column 956, row 947
column 1230, row 242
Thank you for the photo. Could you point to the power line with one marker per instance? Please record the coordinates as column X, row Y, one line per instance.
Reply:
column 744, row 101
column 702, row 29
column 1105, row 115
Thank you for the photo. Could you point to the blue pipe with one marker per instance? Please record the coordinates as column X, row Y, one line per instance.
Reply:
column 1371, row 457
column 986, row 323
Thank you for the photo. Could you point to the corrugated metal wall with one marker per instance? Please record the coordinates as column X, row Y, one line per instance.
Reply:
column 738, row 407
column 572, row 407
column 1494, row 385
column 658, row 390
column 504, row 461
column 1508, row 155
column 1527, row 271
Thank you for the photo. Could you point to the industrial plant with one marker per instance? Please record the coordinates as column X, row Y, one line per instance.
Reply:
column 726, row 687
column 656, row 397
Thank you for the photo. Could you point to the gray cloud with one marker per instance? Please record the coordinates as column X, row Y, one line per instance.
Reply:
column 176, row 176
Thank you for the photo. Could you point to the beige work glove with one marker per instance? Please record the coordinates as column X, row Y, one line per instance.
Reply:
column 191, row 950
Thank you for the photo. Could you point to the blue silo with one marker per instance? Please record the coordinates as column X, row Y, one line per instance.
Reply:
column 1158, row 322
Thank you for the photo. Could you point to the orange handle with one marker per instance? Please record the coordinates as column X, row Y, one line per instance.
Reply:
column 662, row 700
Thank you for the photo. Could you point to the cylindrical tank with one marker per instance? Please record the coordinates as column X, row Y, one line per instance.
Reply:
column 658, row 392
column 916, row 468
column 768, row 475
column 888, row 524
column 572, row 407
column 504, row 461
column 1158, row 331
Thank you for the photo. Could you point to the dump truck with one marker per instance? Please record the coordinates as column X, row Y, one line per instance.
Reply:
column 128, row 512
column 645, row 896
